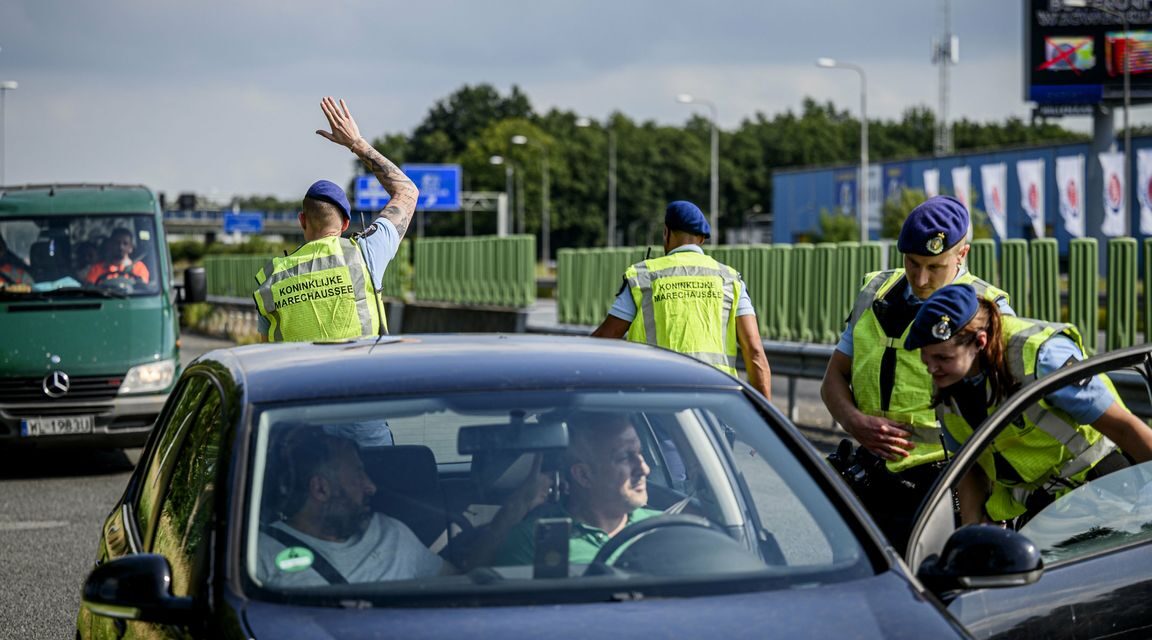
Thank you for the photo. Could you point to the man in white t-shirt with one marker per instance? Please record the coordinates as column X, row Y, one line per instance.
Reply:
column 328, row 533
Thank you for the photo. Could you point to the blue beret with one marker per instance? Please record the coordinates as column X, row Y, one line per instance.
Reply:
column 933, row 227
column 330, row 192
column 682, row 215
column 944, row 313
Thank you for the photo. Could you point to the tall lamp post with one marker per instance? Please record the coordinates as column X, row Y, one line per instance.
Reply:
column 1081, row 4
column 829, row 63
column 585, row 122
column 714, row 193
column 509, row 172
column 5, row 87
column 545, row 222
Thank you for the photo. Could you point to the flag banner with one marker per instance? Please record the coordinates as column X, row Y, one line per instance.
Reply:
column 995, row 179
column 931, row 182
column 1144, row 189
column 962, row 185
column 1114, row 189
column 1031, row 176
column 1070, row 185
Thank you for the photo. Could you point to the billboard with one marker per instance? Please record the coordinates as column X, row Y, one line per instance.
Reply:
column 1075, row 55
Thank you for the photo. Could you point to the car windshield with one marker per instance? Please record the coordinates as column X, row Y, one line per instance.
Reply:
column 78, row 255
column 385, row 501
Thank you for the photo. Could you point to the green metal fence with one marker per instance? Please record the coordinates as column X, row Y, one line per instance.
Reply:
column 486, row 270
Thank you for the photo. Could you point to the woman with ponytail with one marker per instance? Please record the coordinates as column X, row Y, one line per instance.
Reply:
column 977, row 358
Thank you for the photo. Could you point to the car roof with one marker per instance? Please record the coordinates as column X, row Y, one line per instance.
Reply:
column 76, row 198
column 439, row 363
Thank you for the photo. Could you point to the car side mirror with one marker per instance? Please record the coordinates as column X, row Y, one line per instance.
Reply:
column 195, row 287
column 137, row 587
column 982, row 557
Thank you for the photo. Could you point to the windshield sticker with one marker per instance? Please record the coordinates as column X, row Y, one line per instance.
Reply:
column 294, row 559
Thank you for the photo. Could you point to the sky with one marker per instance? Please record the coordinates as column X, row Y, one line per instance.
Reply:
column 222, row 98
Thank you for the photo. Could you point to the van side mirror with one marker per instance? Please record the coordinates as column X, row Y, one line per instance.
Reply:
column 137, row 587
column 195, row 287
column 981, row 557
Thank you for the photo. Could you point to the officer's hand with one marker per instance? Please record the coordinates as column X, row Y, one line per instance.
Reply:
column 881, row 436
column 344, row 129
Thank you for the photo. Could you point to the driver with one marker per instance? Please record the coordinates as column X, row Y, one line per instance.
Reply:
column 13, row 270
column 607, row 489
column 117, row 260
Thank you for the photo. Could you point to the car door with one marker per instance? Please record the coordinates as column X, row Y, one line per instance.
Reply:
column 1094, row 540
column 171, row 509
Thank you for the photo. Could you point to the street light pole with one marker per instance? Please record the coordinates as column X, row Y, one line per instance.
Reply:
column 5, row 87
column 509, row 172
column 545, row 222
column 585, row 122
column 714, row 190
column 829, row 63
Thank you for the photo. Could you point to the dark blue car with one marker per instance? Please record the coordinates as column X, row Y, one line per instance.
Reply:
column 745, row 533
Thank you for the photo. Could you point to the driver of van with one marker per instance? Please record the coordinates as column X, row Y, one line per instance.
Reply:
column 117, row 260
column 13, row 270
column 607, row 490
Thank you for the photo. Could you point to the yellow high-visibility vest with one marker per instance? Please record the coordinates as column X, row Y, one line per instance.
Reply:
column 322, row 291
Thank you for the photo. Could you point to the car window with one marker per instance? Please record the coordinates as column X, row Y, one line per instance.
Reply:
column 161, row 456
column 1108, row 512
column 186, row 513
column 398, row 506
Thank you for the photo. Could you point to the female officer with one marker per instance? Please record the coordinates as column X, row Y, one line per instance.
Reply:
column 977, row 358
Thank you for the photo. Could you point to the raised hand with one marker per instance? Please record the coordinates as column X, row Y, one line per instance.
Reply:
column 344, row 129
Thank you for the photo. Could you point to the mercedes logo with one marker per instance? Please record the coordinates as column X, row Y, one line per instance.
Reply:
column 56, row 384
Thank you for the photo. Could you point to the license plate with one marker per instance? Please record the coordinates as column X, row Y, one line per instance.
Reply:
column 34, row 427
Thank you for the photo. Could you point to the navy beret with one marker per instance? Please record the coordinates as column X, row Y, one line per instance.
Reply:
column 682, row 215
column 944, row 313
column 330, row 192
column 933, row 227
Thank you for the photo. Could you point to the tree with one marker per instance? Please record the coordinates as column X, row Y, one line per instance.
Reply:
column 454, row 121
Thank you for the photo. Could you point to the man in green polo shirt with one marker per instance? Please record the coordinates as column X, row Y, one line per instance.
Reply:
column 607, row 480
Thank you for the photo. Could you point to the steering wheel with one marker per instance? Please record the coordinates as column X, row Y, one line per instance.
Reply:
column 643, row 528
column 118, row 275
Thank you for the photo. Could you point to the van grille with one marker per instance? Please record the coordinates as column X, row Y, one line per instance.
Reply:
column 81, row 388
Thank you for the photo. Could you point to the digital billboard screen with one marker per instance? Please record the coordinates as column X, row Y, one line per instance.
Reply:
column 1075, row 55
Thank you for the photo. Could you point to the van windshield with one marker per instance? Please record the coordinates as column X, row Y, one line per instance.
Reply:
column 98, row 255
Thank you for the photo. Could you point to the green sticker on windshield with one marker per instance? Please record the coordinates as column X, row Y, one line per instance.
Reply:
column 294, row 559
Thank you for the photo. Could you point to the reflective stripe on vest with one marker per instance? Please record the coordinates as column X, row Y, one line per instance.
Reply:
column 909, row 401
column 684, row 286
column 317, row 304
column 1046, row 448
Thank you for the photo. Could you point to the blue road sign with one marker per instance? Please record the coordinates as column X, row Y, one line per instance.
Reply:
column 439, row 186
column 243, row 221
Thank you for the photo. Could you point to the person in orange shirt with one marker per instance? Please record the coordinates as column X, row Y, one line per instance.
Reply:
column 13, row 270
column 118, row 260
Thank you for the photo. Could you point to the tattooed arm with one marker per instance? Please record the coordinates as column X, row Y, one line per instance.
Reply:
column 403, row 192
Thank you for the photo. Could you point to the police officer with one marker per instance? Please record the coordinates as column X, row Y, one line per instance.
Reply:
column 329, row 287
column 688, row 302
column 977, row 359
column 878, row 391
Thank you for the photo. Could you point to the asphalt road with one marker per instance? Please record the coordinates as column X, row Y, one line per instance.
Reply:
column 52, row 503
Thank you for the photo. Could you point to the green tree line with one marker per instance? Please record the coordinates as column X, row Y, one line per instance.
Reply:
column 655, row 163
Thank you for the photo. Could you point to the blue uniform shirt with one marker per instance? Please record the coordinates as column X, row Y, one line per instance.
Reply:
column 625, row 307
column 378, row 245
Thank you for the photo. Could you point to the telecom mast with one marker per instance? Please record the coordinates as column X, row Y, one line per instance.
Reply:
column 945, row 53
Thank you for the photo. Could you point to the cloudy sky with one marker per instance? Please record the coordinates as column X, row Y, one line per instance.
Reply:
column 222, row 97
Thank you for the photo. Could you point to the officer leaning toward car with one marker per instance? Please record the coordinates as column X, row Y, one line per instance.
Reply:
column 878, row 391
column 978, row 359
column 688, row 302
column 329, row 287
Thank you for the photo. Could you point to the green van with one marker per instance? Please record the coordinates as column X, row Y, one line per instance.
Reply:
column 89, row 335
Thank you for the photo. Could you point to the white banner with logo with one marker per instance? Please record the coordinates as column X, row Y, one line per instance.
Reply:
column 1031, row 176
column 931, row 182
column 1144, row 189
column 962, row 185
column 1113, row 165
column 1070, row 185
column 995, row 179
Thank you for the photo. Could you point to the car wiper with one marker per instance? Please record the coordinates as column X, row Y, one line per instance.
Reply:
column 85, row 291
